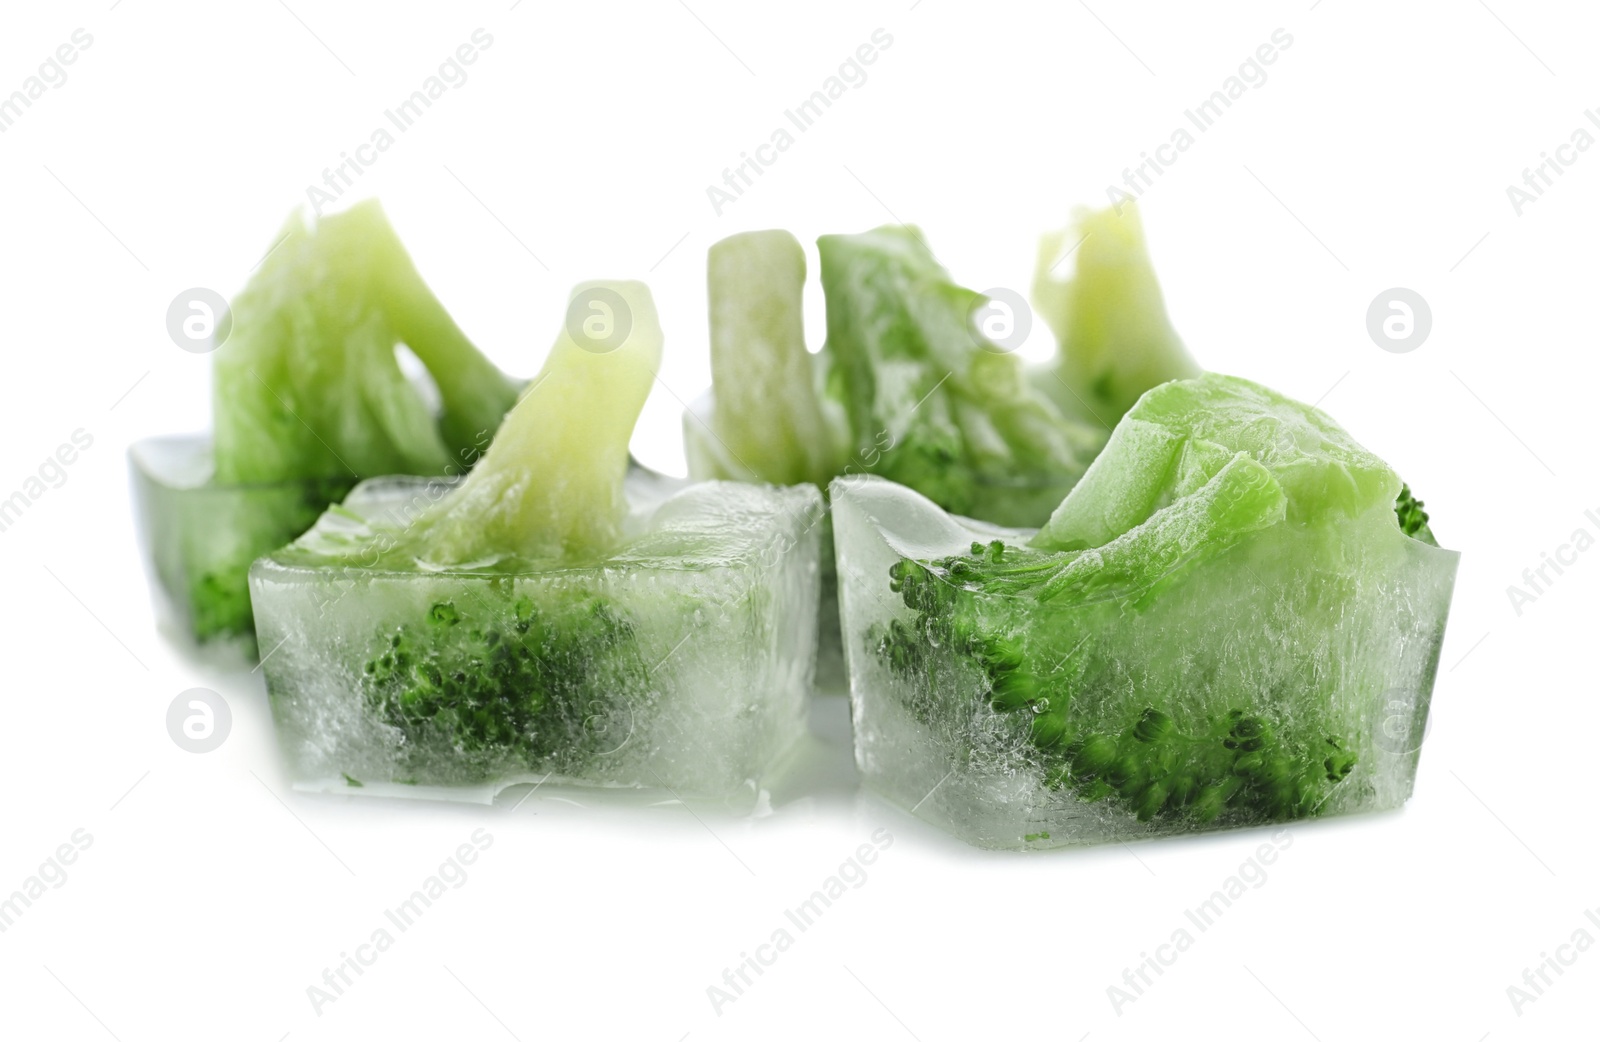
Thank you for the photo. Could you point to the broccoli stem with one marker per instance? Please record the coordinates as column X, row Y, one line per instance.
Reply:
column 551, row 484
column 1114, row 338
column 766, row 408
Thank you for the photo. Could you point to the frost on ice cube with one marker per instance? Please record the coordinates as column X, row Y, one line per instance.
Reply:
column 544, row 617
column 199, row 537
column 680, row 661
column 1235, row 618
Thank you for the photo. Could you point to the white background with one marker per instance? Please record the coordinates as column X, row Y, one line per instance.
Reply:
column 1376, row 154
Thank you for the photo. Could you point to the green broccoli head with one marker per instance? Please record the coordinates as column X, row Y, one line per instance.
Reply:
column 219, row 604
column 308, row 385
column 928, row 401
column 1219, row 506
column 977, row 606
column 1413, row 519
column 530, row 673
column 256, row 521
column 505, row 685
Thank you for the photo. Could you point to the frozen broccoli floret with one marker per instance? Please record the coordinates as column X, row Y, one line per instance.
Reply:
column 1231, row 760
column 219, row 587
column 309, row 397
column 219, row 601
column 1413, row 519
column 500, row 679
column 308, row 384
column 1203, row 630
column 550, row 613
column 512, row 690
column 926, row 399
column 1114, row 339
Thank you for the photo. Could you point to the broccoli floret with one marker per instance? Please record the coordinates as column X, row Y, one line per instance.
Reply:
column 1234, row 763
column 506, row 681
column 219, row 604
column 218, row 586
column 308, row 395
column 308, row 385
column 927, row 401
column 510, row 687
column 1413, row 519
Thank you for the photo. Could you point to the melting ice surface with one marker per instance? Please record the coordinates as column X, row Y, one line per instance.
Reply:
column 681, row 661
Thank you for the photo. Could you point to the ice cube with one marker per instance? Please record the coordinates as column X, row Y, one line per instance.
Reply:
column 199, row 538
column 1223, row 625
column 710, row 457
column 680, row 661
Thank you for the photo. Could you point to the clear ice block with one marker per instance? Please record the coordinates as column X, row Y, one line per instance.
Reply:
column 680, row 661
column 1223, row 625
column 709, row 457
column 199, row 538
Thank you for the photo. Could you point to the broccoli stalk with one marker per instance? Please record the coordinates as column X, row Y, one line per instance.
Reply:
column 308, row 386
column 1114, row 338
column 500, row 681
column 766, row 415
column 551, row 484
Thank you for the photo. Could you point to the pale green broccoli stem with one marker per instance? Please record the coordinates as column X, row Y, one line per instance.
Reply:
column 551, row 484
column 766, row 411
column 1114, row 339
